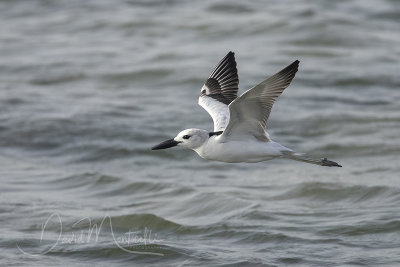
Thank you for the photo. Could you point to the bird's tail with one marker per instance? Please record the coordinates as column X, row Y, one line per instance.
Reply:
column 304, row 158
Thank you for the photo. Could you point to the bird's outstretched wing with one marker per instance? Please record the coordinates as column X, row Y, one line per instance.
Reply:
column 220, row 90
column 249, row 112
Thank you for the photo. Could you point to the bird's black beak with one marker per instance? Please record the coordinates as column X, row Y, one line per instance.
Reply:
column 166, row 144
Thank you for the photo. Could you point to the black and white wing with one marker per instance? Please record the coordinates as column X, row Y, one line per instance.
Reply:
column 249, row 112
column 220, row 90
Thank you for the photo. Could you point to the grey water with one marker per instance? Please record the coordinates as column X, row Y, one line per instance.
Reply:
column 88, row 87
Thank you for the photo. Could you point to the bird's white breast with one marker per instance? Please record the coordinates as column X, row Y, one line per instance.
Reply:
column 249, row 150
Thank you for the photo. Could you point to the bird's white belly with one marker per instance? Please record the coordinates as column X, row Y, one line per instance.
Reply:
column 240, row 151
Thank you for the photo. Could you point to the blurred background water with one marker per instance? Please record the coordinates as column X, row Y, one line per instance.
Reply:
column 87, row 87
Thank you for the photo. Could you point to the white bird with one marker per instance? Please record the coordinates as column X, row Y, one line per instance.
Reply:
column 239, row 122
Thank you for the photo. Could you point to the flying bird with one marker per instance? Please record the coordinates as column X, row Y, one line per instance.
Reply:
column 239, row 121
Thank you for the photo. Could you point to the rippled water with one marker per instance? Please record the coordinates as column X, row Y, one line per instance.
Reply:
column 87, row 87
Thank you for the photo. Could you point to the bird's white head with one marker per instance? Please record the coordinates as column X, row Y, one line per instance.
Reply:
column 189, row 138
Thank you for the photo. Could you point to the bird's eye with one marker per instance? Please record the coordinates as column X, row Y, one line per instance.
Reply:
column 186, row 137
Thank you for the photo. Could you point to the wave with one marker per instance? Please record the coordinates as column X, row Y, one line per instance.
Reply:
column 332, row 192
column 375, row 227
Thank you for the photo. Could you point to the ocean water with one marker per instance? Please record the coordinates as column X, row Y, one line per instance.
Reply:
column 88, row 87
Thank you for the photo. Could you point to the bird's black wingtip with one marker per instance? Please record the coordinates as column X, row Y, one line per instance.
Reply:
column 329, row 163
column 231, row 54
